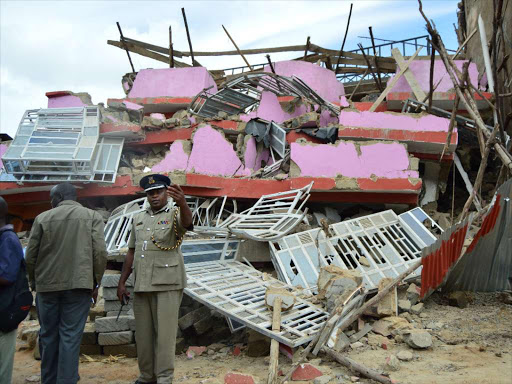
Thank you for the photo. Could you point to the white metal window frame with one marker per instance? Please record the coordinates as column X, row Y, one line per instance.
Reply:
column 384, row 239
column 238, row 291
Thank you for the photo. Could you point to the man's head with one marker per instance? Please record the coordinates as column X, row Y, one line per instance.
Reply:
column 155, row 187
column 61, row 192
column 3, row 211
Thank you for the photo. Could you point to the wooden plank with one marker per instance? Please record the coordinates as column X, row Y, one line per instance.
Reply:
column 152, row 47
column 147, row 53
column 395, row 79
column 416, row 88
column 465, row 177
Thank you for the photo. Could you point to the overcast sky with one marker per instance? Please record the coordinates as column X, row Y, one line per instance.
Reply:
column 62, row 45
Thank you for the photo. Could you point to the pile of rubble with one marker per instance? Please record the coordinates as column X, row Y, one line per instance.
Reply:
column 349, row 203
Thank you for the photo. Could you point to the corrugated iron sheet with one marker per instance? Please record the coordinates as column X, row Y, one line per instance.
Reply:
column 487, row 263
column 438, row 258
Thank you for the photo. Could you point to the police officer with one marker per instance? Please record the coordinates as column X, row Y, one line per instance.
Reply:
column 159, row 274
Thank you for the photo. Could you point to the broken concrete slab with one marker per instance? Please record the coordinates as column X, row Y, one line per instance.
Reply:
column 68, row 99
column 193, row 317
column 404, row 305
column 172, row 82
column 416, row 309
column 336, row 284
column 413, row 293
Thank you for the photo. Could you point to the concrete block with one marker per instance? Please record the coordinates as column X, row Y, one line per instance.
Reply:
column 336, row 284
column 111, row 293
column 193, row 317
column 97, row 311
column 91, row 350
column 203, row 325
column 112, row 280
column 413, row 293
column 115, row 338
column 115, row 305
column 89, row 336
column 112, row 324
column 129, row 350
column 115, row 313
column 257, row 344
column 131, row 324
column 388, row 305
column 416, row 309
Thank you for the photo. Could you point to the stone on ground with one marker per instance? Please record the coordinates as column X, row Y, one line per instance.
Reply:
column 404, row 305
column 322, row 380
column 392, row 363
column 413, row 293
column 404, row 355
column 418, row 339
column 458, row 299
column 416, row 309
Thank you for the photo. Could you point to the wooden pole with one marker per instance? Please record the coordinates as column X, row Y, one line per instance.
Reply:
column 450, row 127
column 344, row 38
column 307, row 48
column 171, row 51
column 465, row 95
column 238, row 49
column 274, row 345
column 358, row 84
column 480, row 174
column 188, row 37
column 375, row 58
column 355, row 366
column 370, row 68
column 431, row 93
column 125, row 48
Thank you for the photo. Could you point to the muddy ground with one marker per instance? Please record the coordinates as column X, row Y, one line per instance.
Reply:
column 470, row 345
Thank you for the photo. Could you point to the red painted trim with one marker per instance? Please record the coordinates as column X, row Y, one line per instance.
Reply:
column 225, row 124
column 403, row 185
column 57, row 93
column 153, row 100
column 366, row 105
column 437, row 96
column 429, row 156
column 396, row 134
column 293, row 136
column 164, row 136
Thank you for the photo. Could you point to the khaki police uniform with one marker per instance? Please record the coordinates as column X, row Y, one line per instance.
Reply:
column 159, row 282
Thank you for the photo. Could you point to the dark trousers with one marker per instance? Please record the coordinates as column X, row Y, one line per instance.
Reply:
column 62, row 316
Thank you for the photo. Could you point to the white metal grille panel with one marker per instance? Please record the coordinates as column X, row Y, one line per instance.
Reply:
column 388, row 244
column 238, row 291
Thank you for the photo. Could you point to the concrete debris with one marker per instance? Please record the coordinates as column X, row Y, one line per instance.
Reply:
column 336, row 284
column 388, row 305
column 417, row 339
column 459, row 299
column 416, row 309
column 413, row 294
column 392, row 363
column 405, row 355
column 404, row 305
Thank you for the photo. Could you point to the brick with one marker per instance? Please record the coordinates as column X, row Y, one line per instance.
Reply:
column 129, row 350
column 306, row 372
column 195, row 351
column 115, row 305
column 237, row 378
column 115, row 338
column 112, row 324
column 112, row 280
column 193, row 317
column 90, row 350
column 89, row 336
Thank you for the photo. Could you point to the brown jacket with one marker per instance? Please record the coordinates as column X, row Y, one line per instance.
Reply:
column 66, row 249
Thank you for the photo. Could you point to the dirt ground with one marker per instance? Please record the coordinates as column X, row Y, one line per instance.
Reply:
column 470, row 345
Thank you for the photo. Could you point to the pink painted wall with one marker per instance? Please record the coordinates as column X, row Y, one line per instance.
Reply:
column 130, row 105
column 172, row 82
column 67, row 101
column 386, row 160
column 175, row 160
column 270, row 109
column 389, row 120
column 421, row 71
column 213, row 155
column 321, row 80
column 253, row 158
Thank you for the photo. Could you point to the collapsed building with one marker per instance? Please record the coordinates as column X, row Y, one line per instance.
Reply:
column 336, row 177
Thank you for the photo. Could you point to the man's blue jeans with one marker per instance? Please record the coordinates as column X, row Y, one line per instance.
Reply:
column 62, row 316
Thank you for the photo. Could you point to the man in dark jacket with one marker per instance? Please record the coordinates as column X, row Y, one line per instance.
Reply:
column 11, row 255
column 66, row 259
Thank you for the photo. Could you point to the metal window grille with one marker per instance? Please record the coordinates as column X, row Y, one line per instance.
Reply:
column 62, row 144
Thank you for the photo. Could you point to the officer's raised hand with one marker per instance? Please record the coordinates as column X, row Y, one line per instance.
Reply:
column 176, row 193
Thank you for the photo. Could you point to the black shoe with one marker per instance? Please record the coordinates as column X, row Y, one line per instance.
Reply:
column 144, row 382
